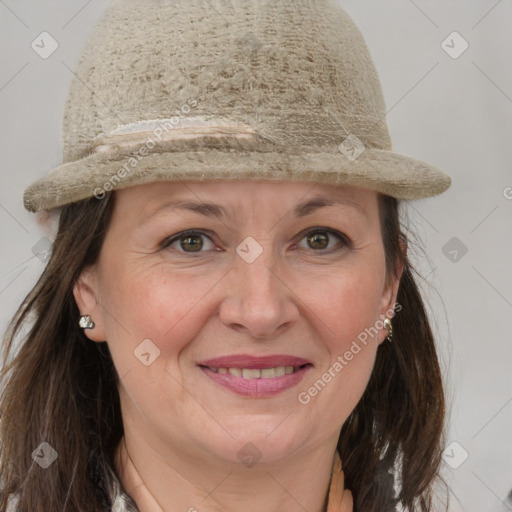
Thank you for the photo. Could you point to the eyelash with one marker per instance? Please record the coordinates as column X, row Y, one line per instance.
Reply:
column 345, row 241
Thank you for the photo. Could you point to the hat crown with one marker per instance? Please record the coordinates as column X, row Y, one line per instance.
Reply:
column 196, row 90
column 296, row 74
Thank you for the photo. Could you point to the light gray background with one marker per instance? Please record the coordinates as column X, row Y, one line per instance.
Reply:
column 455, row 113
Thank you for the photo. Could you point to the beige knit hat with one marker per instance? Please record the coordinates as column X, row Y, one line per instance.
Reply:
column 208, row 90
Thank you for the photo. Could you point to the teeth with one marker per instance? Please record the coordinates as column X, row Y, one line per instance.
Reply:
column 251, row 373
column 237, row 372
column 256, row 373
column 267, row 373
column 280, row 370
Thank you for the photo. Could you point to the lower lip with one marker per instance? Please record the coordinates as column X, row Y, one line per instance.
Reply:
column 257, row 387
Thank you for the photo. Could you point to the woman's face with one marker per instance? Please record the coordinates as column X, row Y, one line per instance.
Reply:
column 267, row 285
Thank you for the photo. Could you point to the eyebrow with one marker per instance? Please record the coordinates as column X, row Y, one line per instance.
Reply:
column 207, row 209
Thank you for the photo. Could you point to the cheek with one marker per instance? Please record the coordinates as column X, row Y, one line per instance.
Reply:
column 151, row 306
column 346, row 316
column 345, row 305
column 156, row 305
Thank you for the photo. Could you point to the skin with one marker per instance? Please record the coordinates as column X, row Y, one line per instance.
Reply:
column 182, row 430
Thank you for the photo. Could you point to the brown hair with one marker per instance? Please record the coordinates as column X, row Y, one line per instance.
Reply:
column 62, row 389
column 397, row 430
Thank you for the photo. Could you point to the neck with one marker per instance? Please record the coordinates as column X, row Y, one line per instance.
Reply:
column 158, row 483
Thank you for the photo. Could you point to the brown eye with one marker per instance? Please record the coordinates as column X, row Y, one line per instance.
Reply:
column 193, row 242
column 189, row 242
column 319, row 239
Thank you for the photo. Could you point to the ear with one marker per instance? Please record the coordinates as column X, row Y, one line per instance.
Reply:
column 86, row 295
column 391, row 292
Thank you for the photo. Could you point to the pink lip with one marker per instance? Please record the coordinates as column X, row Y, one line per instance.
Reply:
column 247, row 361
column 259, row 388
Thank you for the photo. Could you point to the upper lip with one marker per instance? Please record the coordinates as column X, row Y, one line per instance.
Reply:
column 247, row 361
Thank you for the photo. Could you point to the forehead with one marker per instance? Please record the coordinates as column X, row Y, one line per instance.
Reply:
column 239, row 202
column 224, row 198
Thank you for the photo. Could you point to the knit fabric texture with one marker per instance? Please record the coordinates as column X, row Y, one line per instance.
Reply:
column 179, row 90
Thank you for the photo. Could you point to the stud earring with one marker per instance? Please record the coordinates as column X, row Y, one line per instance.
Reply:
column 86, row 322
column 389, row 329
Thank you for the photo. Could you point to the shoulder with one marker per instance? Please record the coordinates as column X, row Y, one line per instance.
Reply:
column 12, row 505
column 123, row 503
column 107, row 480
column 118, row 498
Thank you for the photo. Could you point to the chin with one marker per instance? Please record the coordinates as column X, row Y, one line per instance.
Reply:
column 252, row 445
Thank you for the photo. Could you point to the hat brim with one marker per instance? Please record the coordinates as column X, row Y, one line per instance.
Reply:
column 387, row 172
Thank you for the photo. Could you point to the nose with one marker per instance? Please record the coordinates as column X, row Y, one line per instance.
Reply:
column 259, row 299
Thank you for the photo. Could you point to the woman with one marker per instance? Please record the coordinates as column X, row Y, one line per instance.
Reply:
column 229, row 319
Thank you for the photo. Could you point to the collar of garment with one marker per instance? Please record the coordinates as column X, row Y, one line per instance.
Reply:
column 116, row 499
column 339, row 498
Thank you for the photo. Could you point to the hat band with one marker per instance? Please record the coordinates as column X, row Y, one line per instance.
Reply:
column 160, row 130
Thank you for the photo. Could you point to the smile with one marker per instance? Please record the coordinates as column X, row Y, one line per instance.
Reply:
column 256, row 377
column 257, row 373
